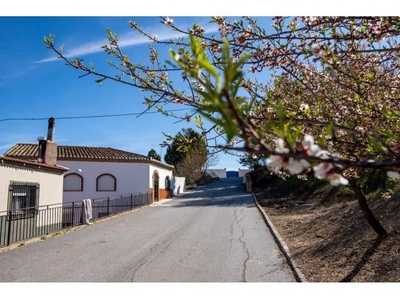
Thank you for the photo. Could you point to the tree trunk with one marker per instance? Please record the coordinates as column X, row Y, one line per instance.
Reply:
column 362, row 201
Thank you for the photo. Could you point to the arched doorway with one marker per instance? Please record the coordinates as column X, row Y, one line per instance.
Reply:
column 156, row 184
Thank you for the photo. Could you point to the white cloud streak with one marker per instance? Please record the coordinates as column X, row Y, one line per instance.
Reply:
column 127, row 40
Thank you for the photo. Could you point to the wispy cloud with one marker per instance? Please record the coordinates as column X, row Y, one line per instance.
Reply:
column 126, row 40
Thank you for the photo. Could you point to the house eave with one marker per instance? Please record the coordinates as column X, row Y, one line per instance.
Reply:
column 32, row 164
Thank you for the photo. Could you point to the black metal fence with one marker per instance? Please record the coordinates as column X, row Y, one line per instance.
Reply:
column 43, row 220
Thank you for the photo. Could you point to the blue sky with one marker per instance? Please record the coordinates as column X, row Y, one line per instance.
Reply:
column 35, row 84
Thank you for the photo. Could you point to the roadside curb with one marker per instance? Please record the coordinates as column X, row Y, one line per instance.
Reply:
column 281, row 243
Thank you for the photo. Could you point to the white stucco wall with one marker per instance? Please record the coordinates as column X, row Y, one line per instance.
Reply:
column 51, row 184
column 162, row 173
column 130, row 177
column 243, row 172
column 221, row 173
column 178, row 185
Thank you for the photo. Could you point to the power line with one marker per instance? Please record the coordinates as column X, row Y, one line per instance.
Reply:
column 90, row 117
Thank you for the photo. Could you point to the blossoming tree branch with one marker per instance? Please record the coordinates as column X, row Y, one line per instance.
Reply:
column 314, row 95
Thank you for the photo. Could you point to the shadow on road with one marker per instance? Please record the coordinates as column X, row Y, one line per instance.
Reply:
column 224, row 192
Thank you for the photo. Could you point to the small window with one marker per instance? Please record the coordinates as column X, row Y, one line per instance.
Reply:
column 106, row 183
column 73, row 183
column 23, row 199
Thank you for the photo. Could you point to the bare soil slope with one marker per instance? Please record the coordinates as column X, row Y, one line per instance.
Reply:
column 328, row 236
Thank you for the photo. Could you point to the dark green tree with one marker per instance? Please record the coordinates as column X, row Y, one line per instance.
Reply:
column 188, row 154
column 188, row 140
column 252, row 161
column 153, row 154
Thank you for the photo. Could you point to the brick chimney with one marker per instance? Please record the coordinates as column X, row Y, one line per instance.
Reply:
column 47, row 150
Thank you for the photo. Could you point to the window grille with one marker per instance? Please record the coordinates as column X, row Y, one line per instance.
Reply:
column 23, row 199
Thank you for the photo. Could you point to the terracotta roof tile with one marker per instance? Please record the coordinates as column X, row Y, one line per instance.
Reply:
column 35, row 165
column 82, row 153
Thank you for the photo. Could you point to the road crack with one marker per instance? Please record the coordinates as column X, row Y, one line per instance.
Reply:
column 243, row 243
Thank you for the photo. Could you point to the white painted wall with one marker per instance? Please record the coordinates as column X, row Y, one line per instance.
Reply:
column 243, row 172
column 221, row 173
column 51, row 184
column 131, row 178
column 178, row 185
column 162, row 173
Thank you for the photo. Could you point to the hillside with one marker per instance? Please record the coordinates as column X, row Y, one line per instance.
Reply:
column 326, row 232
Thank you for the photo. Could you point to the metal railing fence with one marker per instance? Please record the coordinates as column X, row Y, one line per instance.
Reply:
column 43, row 220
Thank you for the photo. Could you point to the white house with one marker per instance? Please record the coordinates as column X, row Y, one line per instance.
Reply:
column 31, row 195
column 98, row 172
column 24, row 183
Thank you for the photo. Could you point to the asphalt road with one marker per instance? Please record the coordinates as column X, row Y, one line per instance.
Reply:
column 214, row 233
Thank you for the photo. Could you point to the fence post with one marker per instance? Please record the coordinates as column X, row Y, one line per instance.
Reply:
column 108, row 206
column 48, row 221
column 9, row 228
column 131, row 201
column 73, row 213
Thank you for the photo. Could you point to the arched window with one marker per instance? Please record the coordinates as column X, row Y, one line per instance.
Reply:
column 167, row 183
column 106, row 182
column 73, row 183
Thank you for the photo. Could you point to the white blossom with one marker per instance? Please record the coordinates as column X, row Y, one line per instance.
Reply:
column 317, row 50
column 336, row 179
column 310, row 20
column 279, row 146
column 393, row 174
column 309, row 147
column 325, row 171
column 294, row 166
column 322, row 169
column 304, row 107
column 276, row 162
column 168, row 21
column 177, row 57
column 302, row 177
column 360, row 129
